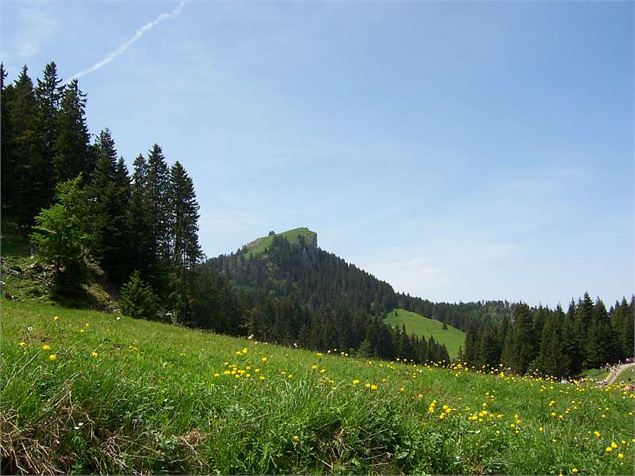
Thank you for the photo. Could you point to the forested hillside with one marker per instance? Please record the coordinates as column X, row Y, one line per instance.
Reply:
column 554, row 342
column 299, row 293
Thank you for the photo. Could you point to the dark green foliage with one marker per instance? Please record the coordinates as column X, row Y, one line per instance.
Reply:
column 555, row 343
column 186, row 250
column 299, row 294
column 138, row 299
column 156, row 196
column 110, row 221
column 141, row 255
column 25, row 168
column 71, row 154
column 49, row 93
column 7, row 160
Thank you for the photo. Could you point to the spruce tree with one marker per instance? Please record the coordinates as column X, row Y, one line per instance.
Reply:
column 49, row 92
column 7, row 159
column 138, row 299
column 552, row 360
column 28, row 170
column 110, row 198
column 157, row 189
column 71, row 146
column 186, row 250
column 141, row 248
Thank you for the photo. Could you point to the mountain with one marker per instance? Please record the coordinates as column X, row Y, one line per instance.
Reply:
column 451, row 337
column 290, row 264
column 291, row 291
column 260, row 245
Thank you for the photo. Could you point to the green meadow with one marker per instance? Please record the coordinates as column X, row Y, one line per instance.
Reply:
column 84, row 392
column 452, row 337
column 261, row 244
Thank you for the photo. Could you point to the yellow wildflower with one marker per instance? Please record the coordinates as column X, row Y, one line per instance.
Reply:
column 356, row 381
column 94, row 354
column 46, row 347
column 52, row 357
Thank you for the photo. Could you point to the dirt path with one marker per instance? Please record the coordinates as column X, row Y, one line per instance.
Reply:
column 617, row 371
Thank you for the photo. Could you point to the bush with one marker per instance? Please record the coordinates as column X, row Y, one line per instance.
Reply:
column 138, row 299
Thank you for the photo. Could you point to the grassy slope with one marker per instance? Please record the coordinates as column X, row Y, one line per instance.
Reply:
column 156, row 398
column 452, row 337
column 26, row 279
column 261, row 244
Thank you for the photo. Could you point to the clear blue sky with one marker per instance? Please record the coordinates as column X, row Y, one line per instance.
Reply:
column 460, row 151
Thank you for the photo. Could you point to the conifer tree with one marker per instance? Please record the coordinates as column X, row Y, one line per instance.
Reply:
column 71, row 147
column 142, row 256
column 110, row 194
column 60, row 233
column 26, row 167
column 49, row 92
column 186, row 250
column 7, row 159
column 600, row 342
column 138, row 299
column 552, row 360
column 157, row 189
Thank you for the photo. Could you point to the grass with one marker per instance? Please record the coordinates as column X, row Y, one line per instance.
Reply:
column 628, row 376
column 452, row 337
column 597, row 374
column 129, row 396
column 260, row 245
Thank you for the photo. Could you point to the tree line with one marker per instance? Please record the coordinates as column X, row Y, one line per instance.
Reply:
column 78, row 202
column 554, row 342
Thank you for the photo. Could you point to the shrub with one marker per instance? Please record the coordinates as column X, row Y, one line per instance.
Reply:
column 138, row 299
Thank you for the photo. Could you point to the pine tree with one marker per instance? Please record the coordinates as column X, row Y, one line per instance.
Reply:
column 71, row 146
column 520, row 347
column 27, row 168
column 157, row 189
column 186, row 250
column 141, row 248
column 110, row 198
column 138, row 299
column 600, row 343
column 60, row 233
column 49, row 92
column 552, row 360
column 8, row 161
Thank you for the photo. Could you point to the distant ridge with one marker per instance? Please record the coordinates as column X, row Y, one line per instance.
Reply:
column 260, row 245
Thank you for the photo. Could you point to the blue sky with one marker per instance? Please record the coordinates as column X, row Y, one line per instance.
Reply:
column 460, row 151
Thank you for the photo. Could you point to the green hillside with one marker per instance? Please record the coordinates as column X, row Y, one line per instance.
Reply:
column 452, row 337
column 90, row 392
column 261, row 244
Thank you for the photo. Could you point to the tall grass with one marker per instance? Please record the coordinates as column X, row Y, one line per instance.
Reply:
column 126, row 396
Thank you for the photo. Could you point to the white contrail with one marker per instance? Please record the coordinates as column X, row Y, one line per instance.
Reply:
column 137, row 34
